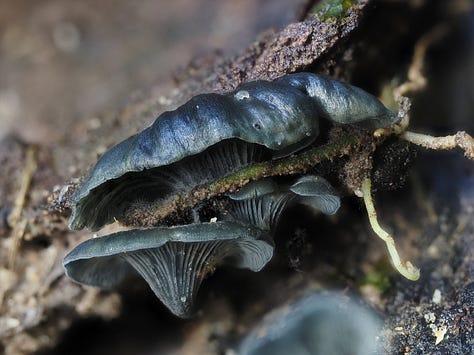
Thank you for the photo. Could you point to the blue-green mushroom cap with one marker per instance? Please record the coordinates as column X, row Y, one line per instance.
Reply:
column 172, row 260
column 318, row 193
column 317, row 324
column 261, row 203
column 279, row 116
column 342, row 103
column 264, row 113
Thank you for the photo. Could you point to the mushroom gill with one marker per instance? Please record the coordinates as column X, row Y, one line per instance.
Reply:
column 172, row 260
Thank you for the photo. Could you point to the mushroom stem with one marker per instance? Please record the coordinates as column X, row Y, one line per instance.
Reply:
column 407, row 270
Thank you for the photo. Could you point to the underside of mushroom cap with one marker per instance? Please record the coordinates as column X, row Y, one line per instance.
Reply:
column 318, row 193
column 173, row 260
column 261, row 203
column 109, row 201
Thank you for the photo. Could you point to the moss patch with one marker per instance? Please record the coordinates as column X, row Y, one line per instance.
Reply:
column 332, row 8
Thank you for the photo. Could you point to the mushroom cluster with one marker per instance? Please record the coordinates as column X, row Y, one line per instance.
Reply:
column 207, row 138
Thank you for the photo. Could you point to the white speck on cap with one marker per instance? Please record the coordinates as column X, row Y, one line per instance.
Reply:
column 242, row 94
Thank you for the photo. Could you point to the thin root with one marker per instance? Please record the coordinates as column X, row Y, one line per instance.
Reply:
column 407, row 269
column 416, row 80
column 18, row 224
column 460, row 139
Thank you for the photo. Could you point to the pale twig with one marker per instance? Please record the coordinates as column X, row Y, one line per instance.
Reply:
column 460, row 139
column 14, row 219
column 416, row 81
column 407, row 269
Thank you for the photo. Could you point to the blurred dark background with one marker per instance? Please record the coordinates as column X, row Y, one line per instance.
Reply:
column 64, row 60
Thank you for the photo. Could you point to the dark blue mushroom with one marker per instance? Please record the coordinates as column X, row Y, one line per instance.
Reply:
column 261, row 203
column 317, row 324
column 212, row 135
column 173, row 260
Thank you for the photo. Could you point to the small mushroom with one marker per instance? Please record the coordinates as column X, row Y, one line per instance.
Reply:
column 262, row 202
column 212, row 135
column 317, row 324
column 173, row 260
column 316, row 192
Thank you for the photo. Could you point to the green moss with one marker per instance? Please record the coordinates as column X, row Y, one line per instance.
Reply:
column 379, row 278
column 295, row 164
column 332, row 8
